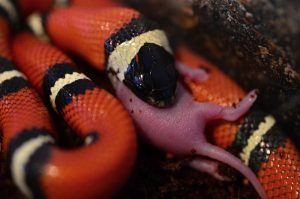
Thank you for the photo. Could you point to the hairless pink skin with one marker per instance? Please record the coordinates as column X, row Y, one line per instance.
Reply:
column 180, row 128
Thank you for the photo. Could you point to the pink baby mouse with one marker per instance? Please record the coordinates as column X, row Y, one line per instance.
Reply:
column 179, row 129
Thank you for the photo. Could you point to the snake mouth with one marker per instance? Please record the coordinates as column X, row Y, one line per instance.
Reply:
column 161, row 103
column 161, row 98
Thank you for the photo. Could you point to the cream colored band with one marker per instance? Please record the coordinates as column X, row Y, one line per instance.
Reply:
column 10, row 9
column 122, row 55
column 61, row 82
column 21, row 158
column 7, row 75
column 35, row 23
column 256, row 138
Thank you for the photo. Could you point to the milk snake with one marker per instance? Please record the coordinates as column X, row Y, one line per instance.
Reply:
column 95, row 34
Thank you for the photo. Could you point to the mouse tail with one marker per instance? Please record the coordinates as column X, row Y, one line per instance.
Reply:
column 223, row 156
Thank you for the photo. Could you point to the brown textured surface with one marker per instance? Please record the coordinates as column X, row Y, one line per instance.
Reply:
column 283, row 19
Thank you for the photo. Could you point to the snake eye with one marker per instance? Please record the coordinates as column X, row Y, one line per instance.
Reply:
column 152, row 76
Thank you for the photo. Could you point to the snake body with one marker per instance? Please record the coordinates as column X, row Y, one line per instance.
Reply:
column 38, row 167
column 95, row 36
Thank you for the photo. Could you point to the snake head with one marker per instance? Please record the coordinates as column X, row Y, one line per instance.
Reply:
column 152, row 76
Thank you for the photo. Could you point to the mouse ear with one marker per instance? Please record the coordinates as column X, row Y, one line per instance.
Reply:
column 223, row 156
